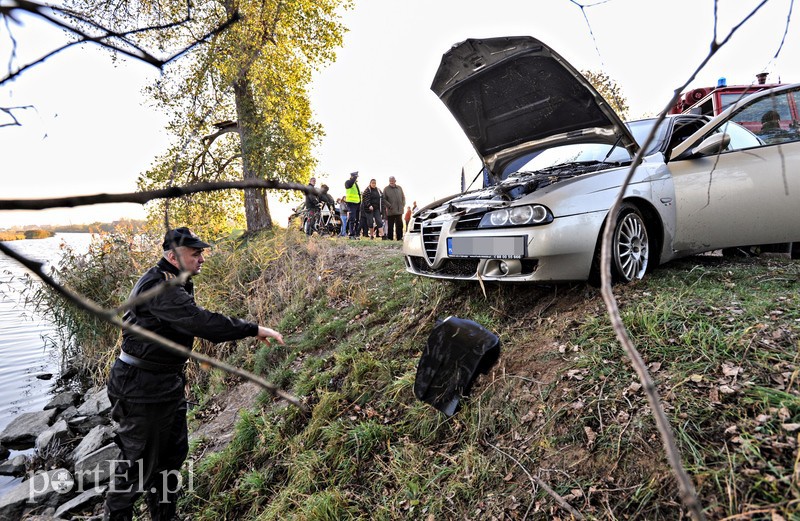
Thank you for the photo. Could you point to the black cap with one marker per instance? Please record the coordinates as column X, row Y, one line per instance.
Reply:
column 183, row 237
column 354, row 174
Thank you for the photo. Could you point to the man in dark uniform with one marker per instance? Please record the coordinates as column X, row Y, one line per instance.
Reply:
column 312, row 206
column 147, row 381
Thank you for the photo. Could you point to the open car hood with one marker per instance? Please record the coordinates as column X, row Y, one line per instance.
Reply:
column 514, row 94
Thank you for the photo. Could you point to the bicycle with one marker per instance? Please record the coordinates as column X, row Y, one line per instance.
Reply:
column 324, row 222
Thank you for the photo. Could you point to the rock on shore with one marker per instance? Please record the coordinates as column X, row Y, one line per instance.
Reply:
column 74, row 435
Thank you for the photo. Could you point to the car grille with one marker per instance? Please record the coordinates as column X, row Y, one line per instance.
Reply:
column 450, row 267
column 469, row 222
column 430, row 239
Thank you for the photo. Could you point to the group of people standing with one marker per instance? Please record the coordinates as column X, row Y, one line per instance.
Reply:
column 364, row 212
column 372, row 213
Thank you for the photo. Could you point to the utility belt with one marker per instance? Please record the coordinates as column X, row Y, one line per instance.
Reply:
column 153, row 367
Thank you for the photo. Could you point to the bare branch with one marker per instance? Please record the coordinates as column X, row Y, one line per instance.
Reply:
column 111, row 317
column 547, row 488
column 149, row 195
column 224, row 127
column 145, row 296
column 685, row 485
column 9, row 111
column 116, row 41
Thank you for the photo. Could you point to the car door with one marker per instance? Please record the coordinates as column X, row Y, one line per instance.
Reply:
column 748, row 193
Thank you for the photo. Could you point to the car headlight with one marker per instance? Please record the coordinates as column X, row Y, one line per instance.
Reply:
column 518, row 216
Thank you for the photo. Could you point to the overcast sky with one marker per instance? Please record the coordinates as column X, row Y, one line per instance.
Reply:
column 92, row 130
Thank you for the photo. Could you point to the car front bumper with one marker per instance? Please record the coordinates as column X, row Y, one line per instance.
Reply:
column 559, row 251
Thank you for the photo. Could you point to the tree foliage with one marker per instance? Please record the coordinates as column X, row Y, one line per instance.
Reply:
column 239, row 104
column 610, row 90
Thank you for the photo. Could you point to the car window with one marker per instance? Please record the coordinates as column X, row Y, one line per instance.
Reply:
column 772, row 118
column 641, row 129
column 682, row 129
column 741, row 138
column 671, row 132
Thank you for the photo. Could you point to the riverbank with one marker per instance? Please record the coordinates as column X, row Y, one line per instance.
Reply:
column 560, row 421
column 31, row 354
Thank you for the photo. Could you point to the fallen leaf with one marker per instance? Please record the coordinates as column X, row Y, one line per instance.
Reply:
column 576, row 374
column 591, row 436
column 655, row 367
column 713, row 395
column 778, row 379
column 726, row 389
column 790, row 427
column 696, row 378
column 634, row 387
column 730, row 369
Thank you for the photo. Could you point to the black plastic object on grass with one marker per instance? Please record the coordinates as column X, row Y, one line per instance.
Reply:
column 457, row 351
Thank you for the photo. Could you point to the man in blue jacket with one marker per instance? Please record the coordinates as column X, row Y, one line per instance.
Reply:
column 146, row 384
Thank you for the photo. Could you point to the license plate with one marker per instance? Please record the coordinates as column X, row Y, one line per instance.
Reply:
column 487, row 247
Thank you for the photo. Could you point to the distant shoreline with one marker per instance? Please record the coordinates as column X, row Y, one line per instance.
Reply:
column 26, row 234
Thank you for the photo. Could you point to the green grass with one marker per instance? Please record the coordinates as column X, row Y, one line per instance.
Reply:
column 562, row 405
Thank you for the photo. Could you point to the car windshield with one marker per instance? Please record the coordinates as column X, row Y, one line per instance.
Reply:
column 589, row 153
column 576, row 153
column 593, row 152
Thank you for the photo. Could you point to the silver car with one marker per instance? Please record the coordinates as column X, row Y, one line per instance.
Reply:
column 555, row 155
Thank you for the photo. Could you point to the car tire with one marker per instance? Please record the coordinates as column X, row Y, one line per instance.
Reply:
column 630, row 248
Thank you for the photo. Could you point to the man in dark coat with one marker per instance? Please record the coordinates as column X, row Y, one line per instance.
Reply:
column 312, row 206
column 395, row 203
column 146, row 384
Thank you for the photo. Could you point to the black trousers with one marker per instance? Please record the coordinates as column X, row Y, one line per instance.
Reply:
column 354, row 221
column 395, row 225
column 154, row 441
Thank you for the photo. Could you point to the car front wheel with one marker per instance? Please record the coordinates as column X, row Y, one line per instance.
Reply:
column 630, row 248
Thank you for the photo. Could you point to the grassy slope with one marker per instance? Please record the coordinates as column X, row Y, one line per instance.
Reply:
column 562, row 406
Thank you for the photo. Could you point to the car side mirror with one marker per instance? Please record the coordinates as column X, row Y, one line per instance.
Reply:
column 712, row 145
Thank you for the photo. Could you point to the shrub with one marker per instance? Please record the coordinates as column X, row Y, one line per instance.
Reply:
column 104, row 274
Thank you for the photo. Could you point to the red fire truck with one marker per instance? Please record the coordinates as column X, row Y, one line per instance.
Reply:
column 713, row 100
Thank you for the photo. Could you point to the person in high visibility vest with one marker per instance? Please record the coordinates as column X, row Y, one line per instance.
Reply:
column 353, row 198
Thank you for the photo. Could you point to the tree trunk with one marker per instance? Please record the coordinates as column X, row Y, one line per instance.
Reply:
column 256, row 208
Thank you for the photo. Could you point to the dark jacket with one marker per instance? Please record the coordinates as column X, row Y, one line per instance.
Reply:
column 327, row 198
column 372, row 197
column 312, row 199
column 174, row 315
column 395, row 199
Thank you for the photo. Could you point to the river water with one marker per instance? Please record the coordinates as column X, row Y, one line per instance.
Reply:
column 30, row 358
